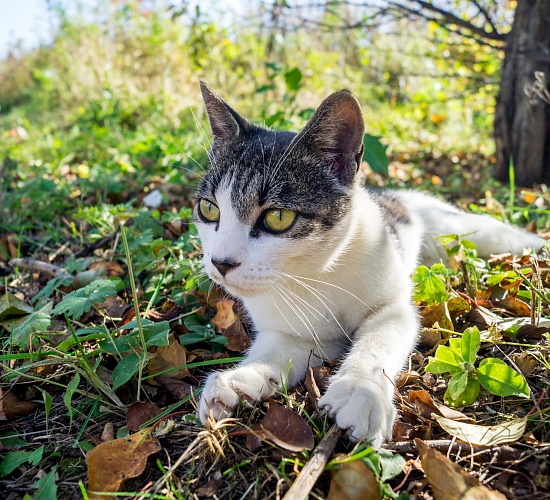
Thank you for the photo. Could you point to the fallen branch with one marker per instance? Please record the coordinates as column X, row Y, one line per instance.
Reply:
column 40, row 266
column 310, row 473
column 446, row 445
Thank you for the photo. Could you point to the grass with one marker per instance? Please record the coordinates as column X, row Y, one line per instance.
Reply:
column 128, row 305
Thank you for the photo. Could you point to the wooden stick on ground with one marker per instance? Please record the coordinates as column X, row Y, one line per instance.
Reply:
column 310, row 473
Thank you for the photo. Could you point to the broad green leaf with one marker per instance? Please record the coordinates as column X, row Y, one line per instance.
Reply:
column 497, row 377
column 127, row 367
column 374, row 153
column 47, row 489
column 392, row 464
column 293, row 77
column 119, row 345
column 157, row 333
column 484, row 435
column 10, row 305
column 429, row 284
column 467, row 396
column 457, row 384
column 76, row 303
column 33, row 323
column 445, row 361
column 471, row 340
column 16, row 458
column 456, row 346
column 68, row 396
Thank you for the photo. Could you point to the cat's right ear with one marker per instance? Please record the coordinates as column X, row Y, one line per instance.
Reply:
column 225, row 122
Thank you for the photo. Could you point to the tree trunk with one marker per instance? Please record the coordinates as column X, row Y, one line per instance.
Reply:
column 522, row 123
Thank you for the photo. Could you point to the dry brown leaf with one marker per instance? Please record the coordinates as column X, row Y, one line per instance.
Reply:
column 225, row 316
column 531, row 332
column 13, row 407
column 402, row 379
column 108, row 432
column 167, row 357
column 111, row 463
column 515, row 306
column 484, row 435
column 424, row 403
column 177, row 388
column 526, row 363
column 313, row 392
column 237, row 338
column 2, row 414
column 448, row 480
column 353, row 481
column 403, row 431
column 139, row 413
column 285, row 428
column 440, row 315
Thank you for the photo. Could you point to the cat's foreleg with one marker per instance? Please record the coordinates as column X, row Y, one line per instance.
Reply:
column 274, row 360
column 360, row 395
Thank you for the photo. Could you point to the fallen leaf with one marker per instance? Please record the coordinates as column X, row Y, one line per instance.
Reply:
column 484, row 435
column 13, row 407
column 313, row 392
column 438, row 314
column 211, row 487
column 422, row 397
column 285, row 428
column 176, row 388
column 108, row 432
column 10, row 305
column 531, row 332
column 402, row 379
column 168, row 357
column 515, row 306
column 448, row 480
column 237, row 338
column 139, row 413
column 225, row 316
column 111, row 463
column 403, row 431
column 353, row 481
column 526, row 363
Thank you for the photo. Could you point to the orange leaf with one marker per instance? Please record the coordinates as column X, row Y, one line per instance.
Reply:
column 448, row 480
column 225, row 315
column 353, row 481
column 111, row 463
column 167, row 357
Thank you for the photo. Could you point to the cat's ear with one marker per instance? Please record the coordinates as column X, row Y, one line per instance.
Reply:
column 335, row 131
column 225, row 122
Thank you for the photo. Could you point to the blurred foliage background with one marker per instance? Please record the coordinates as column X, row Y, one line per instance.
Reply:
column 113, row 100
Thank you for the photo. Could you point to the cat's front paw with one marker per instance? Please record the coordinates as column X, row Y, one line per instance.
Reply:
column 362, row 407
column 223, row 391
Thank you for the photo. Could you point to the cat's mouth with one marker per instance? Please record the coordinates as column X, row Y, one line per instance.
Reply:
column 238, row 287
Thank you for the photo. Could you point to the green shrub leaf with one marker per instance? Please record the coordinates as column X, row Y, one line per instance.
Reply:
column 457, row 384
column 467, row 396
column 76, row 303
column 497, row 377
column 471, row 341
column 430, row 286
column 374, row 154
column 125, row 370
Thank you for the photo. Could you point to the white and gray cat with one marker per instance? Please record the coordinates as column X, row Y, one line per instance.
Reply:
column 321, row 264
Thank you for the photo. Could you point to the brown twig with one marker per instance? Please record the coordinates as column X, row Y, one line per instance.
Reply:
column 40, row 266
column 446, row 445
column 301, row 488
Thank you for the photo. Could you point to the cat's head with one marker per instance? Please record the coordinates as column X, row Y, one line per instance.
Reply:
column 276, row 203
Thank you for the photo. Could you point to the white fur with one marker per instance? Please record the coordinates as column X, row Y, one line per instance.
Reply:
column 349, row 294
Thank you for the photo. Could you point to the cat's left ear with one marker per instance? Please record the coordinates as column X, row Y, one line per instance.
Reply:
column 225, row 122
column 335, row 131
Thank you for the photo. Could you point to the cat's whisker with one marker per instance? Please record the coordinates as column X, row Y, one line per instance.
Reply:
column 303, row 317
column 337, row 287
column 201, row 129
column 316, row 294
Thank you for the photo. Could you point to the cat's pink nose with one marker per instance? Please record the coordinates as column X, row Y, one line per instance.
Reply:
column 223, row 266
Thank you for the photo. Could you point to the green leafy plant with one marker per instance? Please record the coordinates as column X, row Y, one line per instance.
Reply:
column 430, row 284
column 459, row 360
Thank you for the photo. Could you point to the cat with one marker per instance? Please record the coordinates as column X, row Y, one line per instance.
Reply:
column 322, row 265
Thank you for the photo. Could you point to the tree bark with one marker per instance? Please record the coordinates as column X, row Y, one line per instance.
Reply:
column 522, row 123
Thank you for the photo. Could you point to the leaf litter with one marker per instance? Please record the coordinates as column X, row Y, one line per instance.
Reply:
column 90, row 327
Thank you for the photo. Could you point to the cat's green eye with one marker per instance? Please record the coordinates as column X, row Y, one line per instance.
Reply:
column 209, row 211
column 279, row 219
